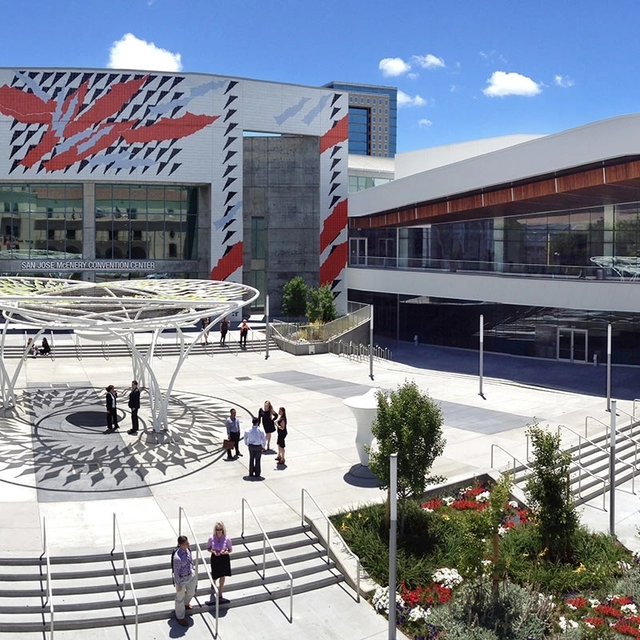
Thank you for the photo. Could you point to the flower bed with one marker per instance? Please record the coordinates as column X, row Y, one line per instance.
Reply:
column 448, row 574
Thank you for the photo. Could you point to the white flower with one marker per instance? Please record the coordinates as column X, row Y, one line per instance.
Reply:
column 447, row 577
column 427, row 509
column 567, row 624
column 593, row 603
column 448, row 501
column 418, row 613
column 629, row 608
column 589, row 625
column 636, row 555
column 513, row 504
column 380, row 599
column 572, row 606
column 485, row 496
column 625, row 566
column 502, row 530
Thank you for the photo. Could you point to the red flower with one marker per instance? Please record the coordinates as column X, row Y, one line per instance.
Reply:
column 596, row 622
column 578, row 602
column 626, row 629
column 433, row 504
column 608, row 611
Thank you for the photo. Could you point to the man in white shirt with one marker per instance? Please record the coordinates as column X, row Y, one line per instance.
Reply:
column 256, row 440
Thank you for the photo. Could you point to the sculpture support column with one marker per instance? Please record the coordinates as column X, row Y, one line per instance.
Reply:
column 364, row 408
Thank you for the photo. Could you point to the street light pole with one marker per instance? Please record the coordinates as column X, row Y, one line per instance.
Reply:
column 393, row 527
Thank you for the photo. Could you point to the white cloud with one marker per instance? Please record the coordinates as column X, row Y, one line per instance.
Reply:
column 563, row 81
column 392, row 67
column 429, row 61
column 424, row 123
column 405, row 100
column 132, row 53
column 502, row 84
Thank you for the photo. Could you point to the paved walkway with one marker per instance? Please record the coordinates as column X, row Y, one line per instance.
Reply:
column 56, row 463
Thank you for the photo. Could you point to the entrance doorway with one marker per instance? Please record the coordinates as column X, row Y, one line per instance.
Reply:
column 572, row 345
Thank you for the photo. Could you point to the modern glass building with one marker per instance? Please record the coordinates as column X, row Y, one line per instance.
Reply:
column 372, row 118
column 541, row 238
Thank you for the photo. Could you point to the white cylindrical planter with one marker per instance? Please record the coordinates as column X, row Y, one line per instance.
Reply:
column 364, row 408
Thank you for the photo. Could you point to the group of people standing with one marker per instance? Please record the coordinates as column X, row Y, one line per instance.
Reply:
column 224, row 326
column 111, row 403
column 258, row 437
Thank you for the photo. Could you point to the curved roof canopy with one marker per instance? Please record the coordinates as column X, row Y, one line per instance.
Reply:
column 132, row 305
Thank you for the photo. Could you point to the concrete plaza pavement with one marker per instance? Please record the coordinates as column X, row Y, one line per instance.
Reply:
column 185, row 470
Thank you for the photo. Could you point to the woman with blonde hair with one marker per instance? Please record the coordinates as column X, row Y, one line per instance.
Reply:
column 267, row 416
column 219, row 545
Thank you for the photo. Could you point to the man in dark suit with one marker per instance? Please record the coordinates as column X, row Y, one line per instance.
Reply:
column 112, row 412
column 134, row 405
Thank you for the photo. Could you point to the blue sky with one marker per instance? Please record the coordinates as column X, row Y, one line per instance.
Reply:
column 466, row 69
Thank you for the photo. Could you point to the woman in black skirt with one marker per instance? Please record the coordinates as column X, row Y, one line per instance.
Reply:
column 282, row 433
column 219, row 545
column 267, row 416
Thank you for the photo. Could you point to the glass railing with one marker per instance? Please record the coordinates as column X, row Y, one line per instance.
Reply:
column 613, row 269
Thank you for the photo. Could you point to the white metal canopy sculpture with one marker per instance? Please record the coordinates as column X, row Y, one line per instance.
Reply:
column 117, row 311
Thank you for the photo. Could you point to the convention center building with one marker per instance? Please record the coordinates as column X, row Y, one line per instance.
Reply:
column 109, row 174
column 537, row 235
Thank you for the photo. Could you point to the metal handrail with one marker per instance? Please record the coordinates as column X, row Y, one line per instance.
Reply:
column 265, row 541
column 603, row 449
column 78, row 347
column 182, row 512
column 45, row 553
column 330, row 528
column 632, row 418
column 523, row 464
column 126, row 571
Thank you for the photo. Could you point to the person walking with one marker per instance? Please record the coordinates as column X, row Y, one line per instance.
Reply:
column 282, row 433
column 185, row 579
column 224, row 329
column 134, row 405
column 219, row 545
column 233, row 433
column 244, row 332
column 112, row 411
column 267, row 415
column 205, row 322
column 255, row 439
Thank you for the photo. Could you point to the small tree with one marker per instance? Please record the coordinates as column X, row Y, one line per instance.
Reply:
column 321, row 306
column 550, row 496
column 408, row 423
column 294, row 297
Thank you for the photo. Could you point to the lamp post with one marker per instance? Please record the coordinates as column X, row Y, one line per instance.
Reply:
column 393, row 527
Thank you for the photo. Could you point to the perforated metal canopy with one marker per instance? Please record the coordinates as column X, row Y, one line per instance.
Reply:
column 117, row 311
column 122, row 305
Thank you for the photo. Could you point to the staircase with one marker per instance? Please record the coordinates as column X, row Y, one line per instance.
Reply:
column 589, row 469
column 87, row 589
column 119, row 350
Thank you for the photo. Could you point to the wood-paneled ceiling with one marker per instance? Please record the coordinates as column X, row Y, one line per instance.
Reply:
column 610, row 182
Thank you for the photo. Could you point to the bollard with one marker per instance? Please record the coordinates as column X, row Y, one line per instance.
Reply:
column 415, row 339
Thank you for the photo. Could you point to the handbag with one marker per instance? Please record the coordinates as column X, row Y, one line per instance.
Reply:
column 228, row 444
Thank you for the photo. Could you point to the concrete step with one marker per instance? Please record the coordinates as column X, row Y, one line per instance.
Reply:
column 87, row 592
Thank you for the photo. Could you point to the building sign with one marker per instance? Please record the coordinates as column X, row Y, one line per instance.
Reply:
column 87, row 265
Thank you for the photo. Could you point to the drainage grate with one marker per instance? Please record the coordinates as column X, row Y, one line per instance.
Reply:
column 243, row 378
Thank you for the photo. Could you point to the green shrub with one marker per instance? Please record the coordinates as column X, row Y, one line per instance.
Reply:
column 516, row 613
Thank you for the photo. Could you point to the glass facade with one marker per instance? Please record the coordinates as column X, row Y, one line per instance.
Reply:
column 360, row 183
column 156, row 222
column 595, row 242
column 40, row 220
column 542, row 332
